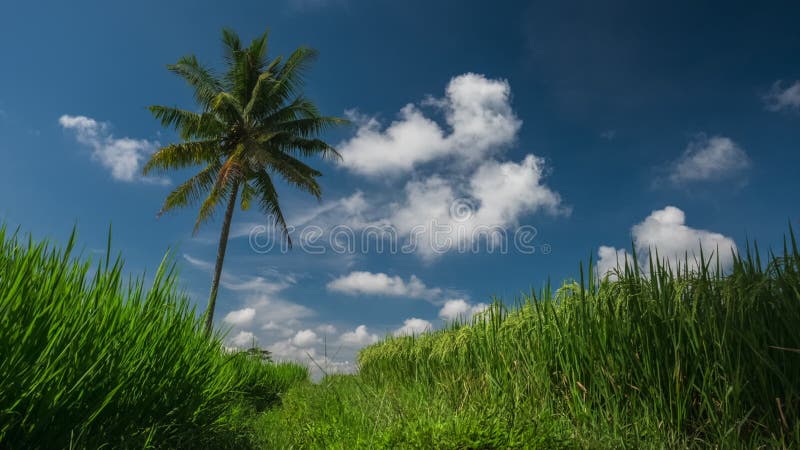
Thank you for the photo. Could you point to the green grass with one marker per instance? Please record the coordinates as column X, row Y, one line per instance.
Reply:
column 663, row 359
column 91, row 360
column 678, row 358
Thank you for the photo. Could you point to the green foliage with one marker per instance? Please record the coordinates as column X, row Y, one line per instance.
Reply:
column 342, row 412
column 88, row 359
column 254, row 123
column 677, row 357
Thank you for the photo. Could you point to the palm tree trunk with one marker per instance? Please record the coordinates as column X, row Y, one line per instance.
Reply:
column 223, row 244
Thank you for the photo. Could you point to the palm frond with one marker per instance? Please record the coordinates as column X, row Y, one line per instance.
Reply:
column 192, row 190
column 244, row 67
column 184, row 154
column 223, row 187
column 206, row 85
column 268, row 201
column 287, row 80
column 227, row 106
column 247, row 196
column 306, row 147
column 233, row 45
column 294, row 172
column 311, row 126
column 293, row 72
column 188, row 124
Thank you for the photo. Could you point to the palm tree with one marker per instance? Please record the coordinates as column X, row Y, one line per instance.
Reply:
column 254, row 123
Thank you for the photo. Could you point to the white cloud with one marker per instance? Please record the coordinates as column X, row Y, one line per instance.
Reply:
column 666, row 232
column 382, row 284
column 286, row 350
column 610, row 258
column 345, row 210
column 460, row 309
column 359, row 337
column 305, row 338
column 263, row 295
column 478, row 124
column 326, row 328
column 123, row 156
column 243, row 339
column 506, row 190
column 283, row 329
column 709, row 159
column 445, row 215
column 196, row 262
column 413, row 327
column 317, row 363
column 240, row 316
column 477, row 111
column 779, row 98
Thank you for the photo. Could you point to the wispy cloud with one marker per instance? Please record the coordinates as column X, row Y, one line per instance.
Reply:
column 197, row 262
column 709, row 159
column 124, row 157
column 781, row 98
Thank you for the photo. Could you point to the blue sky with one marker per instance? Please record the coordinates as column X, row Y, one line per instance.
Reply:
column 673, row 125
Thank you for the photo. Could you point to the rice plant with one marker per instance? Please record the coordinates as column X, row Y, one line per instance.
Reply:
column 670, row 356
column 89, row 359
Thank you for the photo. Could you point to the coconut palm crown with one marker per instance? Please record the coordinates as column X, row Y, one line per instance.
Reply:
column 254, row 124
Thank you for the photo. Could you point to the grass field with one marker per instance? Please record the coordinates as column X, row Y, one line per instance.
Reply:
column 677, row 358
column 90, row 360
column 658, row 358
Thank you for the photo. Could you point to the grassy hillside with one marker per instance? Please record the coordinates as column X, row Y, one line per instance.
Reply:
column 89, row 359
column 659, row 358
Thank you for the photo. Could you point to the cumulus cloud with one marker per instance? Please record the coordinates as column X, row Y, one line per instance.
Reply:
column 460, row 309
column 305, row 338
column 666, row 232
column 477, row 111
column 240, row 316
column 506, row 190
column 358, row 337
column 369, row 283
column 609, row 259
column 780, row 97
column 286, row 350
column 243, row 339
column 709, row 159
column 122, row 156
column 442, row 215
column 413, row 327
column 476, row 124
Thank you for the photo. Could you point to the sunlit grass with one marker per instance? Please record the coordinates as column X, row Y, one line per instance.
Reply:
column 90, row 359
column 663, row 357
